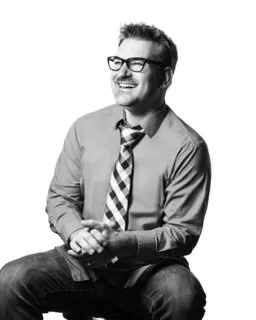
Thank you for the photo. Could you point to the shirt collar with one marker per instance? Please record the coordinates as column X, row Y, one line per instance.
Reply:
column 151, row 125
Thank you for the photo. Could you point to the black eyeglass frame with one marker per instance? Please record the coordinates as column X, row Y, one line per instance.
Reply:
column 127, row 61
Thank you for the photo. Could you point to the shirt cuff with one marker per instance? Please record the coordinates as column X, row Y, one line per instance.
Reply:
column 69, row 228
column 146, row 245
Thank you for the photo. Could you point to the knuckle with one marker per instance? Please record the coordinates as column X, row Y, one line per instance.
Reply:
column 94, row 232
column 86, row 236
column 98, row 236
column 83, row 243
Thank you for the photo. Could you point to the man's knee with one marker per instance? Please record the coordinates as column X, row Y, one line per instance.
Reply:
column 173, row 292
column 14, row 276
column 181, row 293
column 22, row 276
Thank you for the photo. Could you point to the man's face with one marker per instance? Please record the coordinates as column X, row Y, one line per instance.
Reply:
column 140, row 90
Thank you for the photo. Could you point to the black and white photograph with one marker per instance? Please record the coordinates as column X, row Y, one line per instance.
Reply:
column 127, row 161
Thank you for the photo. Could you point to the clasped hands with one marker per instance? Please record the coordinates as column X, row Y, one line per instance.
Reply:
column 91, row 243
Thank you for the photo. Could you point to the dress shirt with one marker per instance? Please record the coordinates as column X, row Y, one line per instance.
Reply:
column 169, row 195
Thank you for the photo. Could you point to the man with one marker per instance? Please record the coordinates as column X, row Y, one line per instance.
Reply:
column 128, row 198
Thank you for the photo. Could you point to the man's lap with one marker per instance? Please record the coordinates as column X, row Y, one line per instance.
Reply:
column 172, row 285
column 47, row 274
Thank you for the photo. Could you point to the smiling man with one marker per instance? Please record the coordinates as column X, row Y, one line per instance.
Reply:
column 128, row 198
column 136, row 86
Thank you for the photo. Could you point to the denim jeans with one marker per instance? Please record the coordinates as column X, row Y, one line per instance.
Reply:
column 42, row 282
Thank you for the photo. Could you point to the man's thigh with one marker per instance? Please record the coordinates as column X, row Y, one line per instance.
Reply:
column 172, row 292
column 45, row 279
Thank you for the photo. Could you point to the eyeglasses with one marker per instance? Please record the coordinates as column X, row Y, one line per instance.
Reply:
column 134, row 64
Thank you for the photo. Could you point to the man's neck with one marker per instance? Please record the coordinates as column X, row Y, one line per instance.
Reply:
column 133, row 118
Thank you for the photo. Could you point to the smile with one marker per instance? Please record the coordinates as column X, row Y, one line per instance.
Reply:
column 125, row 85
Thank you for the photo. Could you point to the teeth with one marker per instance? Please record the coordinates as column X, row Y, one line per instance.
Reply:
column 126, row 85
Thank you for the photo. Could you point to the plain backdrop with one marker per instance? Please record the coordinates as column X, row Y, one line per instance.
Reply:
column 53, row 69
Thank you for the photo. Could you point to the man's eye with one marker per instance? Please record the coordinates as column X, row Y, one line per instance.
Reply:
column 137, row 63
column 117, row 62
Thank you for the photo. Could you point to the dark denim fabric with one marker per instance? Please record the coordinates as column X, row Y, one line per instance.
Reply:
column 42, row 282
column 172, row 292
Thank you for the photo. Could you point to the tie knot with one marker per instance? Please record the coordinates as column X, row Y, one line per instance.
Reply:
column 131, row 136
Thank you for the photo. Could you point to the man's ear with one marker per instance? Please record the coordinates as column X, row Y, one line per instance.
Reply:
column 167, row 78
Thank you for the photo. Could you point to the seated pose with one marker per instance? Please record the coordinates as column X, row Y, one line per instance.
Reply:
column 128, row 198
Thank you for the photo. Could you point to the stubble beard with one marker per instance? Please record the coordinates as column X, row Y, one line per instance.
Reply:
column 125, row 101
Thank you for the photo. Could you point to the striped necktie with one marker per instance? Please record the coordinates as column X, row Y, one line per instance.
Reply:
column 121, row 178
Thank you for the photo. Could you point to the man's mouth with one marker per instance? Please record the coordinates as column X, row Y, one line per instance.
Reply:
column 126, row 85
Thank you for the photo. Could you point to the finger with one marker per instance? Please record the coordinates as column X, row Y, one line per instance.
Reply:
column 92, row 224
column 85, row 246
column 100, row 225
column 108, row 230
column 99, row 237
column 111, row 224
column 73, row 253
column 75, row 247
column 92, row 242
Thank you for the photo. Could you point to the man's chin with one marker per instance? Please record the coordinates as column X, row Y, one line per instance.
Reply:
column 125, row 102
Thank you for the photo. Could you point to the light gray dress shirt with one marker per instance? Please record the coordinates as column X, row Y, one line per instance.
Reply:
column 170, row 189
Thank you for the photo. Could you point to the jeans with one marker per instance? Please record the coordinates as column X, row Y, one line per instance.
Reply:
column 42, row 282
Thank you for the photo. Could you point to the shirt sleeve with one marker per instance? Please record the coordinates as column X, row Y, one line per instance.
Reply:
column 187, row 193
column 65, row 200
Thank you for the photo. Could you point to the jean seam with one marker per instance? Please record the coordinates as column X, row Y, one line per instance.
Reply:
column 153, row 308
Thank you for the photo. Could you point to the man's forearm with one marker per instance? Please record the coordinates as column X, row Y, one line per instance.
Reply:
column 151, row 245
column 139, row 245
column 63, row 219
column 123, row 244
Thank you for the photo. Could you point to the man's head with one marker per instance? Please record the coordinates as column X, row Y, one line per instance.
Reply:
column 141, row 84
column 167, row 49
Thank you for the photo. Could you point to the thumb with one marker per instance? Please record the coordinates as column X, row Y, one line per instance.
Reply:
column 91, row 224
column 111, row 224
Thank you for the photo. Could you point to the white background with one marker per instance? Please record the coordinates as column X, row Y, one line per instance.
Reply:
column 53, row 70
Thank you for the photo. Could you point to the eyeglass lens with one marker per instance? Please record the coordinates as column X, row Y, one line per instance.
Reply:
column 133, row 64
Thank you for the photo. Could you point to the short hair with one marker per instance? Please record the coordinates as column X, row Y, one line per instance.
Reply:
column 146, row 32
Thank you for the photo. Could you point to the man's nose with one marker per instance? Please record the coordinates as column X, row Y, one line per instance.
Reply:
column 124, row 70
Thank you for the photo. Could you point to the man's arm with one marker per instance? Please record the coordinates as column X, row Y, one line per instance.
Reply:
column 64, row 201
column 186, row 200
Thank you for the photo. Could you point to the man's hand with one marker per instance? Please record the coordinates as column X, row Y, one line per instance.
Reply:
column 106, row 229
column 99, row 243
column 87, row 241
column 91, row 241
